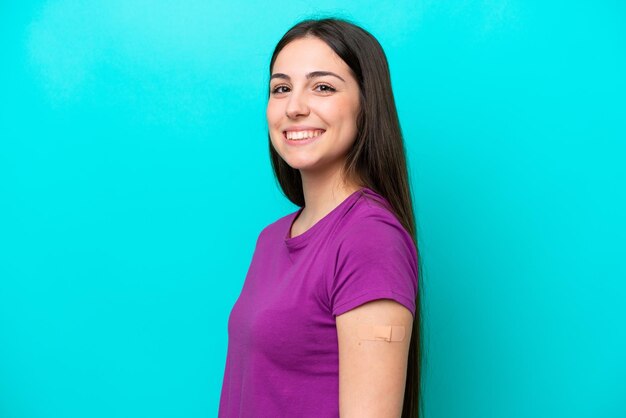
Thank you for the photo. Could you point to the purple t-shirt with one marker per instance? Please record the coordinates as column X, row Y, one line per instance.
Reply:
column 283, row 357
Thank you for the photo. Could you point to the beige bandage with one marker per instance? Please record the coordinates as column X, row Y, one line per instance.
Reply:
column 387, row 333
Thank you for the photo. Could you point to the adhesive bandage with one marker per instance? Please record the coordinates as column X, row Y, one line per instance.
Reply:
column 387, row 333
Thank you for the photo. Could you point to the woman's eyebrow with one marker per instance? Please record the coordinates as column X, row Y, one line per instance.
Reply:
column 310, row 75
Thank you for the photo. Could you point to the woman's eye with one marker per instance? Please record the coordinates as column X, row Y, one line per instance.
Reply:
column 325, row 88
column 277, row 89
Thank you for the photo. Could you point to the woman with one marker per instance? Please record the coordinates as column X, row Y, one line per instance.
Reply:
column 324, row 282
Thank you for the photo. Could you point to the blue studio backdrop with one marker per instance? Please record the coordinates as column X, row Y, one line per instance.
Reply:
column 135, row 178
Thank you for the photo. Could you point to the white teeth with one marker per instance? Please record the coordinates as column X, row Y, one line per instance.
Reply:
column 296, row 135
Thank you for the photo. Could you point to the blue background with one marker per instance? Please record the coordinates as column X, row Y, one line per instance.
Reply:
column 135, row 178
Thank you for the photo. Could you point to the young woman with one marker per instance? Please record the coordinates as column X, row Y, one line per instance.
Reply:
column 328, row 320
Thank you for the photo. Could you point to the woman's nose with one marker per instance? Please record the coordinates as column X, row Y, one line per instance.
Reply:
column 296, row 106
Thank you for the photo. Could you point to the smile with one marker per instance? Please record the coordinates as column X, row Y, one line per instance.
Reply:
column 302, row 135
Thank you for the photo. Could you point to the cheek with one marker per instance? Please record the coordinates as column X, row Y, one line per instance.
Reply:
column 272, row 113
column 349, row 122
column 346, row 114
column 273, row 123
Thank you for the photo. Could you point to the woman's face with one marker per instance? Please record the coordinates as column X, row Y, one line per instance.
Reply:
column 314, row 98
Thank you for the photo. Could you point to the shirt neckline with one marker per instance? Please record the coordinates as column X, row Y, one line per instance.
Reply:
column 300, row 240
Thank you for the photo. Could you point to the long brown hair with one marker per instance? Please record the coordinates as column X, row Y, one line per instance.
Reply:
column 377, row 158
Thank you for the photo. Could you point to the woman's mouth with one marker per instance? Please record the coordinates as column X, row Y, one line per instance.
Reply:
column 302, row 137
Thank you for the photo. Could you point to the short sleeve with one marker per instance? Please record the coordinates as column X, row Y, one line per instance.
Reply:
column 375, row 259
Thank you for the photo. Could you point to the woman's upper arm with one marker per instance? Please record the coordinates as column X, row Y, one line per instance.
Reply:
column 372, row 374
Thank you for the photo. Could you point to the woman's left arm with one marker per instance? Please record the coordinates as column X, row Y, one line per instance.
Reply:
column 372, row 374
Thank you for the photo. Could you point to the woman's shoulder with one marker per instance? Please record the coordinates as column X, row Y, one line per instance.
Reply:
column 371, row 217
column 371, row 208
